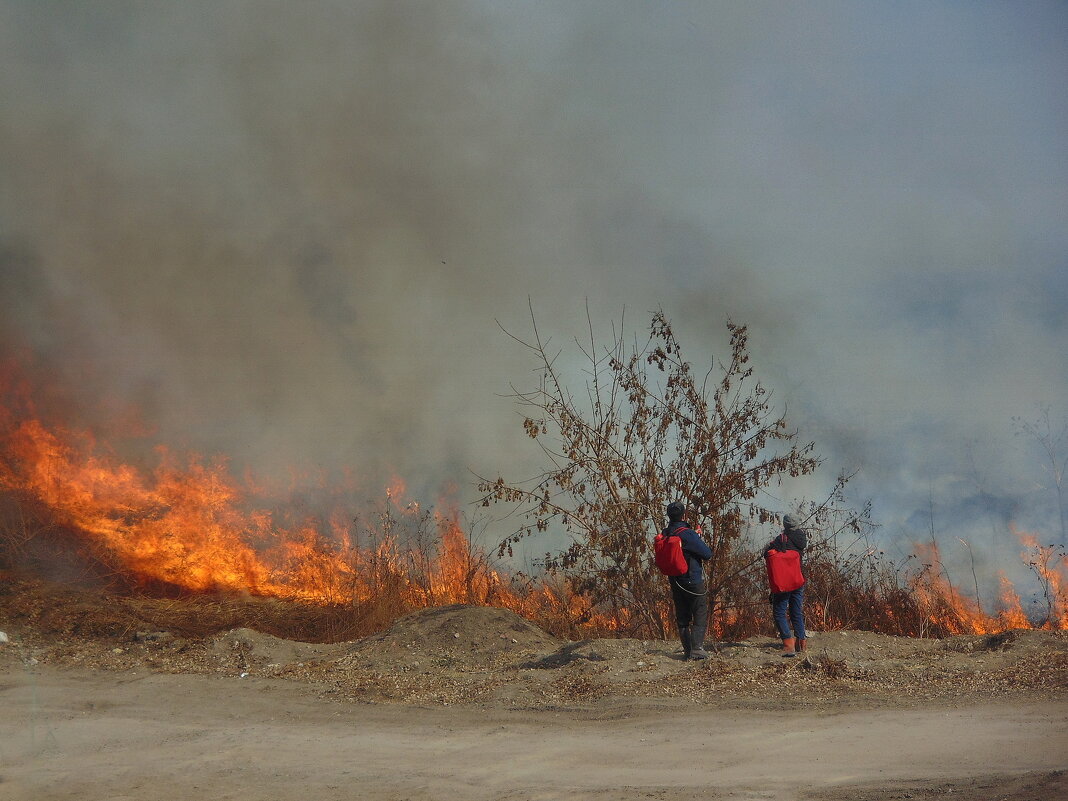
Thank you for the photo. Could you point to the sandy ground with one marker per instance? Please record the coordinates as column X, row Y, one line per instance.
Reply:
column 136, row 735
column 102, row 701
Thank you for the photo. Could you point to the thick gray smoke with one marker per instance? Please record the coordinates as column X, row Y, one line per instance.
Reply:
column 284, row 231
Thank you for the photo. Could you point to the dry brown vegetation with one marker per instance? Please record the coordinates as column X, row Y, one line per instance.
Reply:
column 486, row 655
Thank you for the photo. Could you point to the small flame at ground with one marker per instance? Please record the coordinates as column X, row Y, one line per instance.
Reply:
column 950, row 610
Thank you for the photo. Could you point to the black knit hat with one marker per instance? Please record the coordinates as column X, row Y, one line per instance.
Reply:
column 676, row 510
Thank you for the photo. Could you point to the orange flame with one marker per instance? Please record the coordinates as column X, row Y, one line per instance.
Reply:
column 947, row 608
column 1010, row 614
column 951, row 611
column 189, row 524
column 182, row 526
column 1051, row 568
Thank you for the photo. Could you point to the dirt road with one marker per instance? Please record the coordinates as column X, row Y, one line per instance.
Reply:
column 69, row 734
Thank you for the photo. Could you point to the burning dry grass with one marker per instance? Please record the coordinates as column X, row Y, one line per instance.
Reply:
column 74, row 514
column 872, row 594
column 187, row 548
column 880, row 600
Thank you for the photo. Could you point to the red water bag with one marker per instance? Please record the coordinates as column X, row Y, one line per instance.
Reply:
column 668, row 555
column 784, row 571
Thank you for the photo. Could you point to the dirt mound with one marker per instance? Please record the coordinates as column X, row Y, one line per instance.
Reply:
column 474, row 635
column 257, row 648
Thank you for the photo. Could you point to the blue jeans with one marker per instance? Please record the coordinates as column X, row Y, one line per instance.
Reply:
column 794, row 603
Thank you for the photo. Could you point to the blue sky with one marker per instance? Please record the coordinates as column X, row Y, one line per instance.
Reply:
column 287, row 231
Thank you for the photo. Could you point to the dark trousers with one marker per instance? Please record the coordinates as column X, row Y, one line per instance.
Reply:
column 691, row 607
column 789, row 609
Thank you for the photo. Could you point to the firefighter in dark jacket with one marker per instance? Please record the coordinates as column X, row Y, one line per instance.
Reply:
column 788, row 608
column 688, row 590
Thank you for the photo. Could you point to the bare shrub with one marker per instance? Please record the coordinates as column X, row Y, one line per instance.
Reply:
column 643, row 431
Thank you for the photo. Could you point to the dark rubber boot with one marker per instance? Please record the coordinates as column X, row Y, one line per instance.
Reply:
column 684, row 637
column 697, row 643
column 697, row 632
